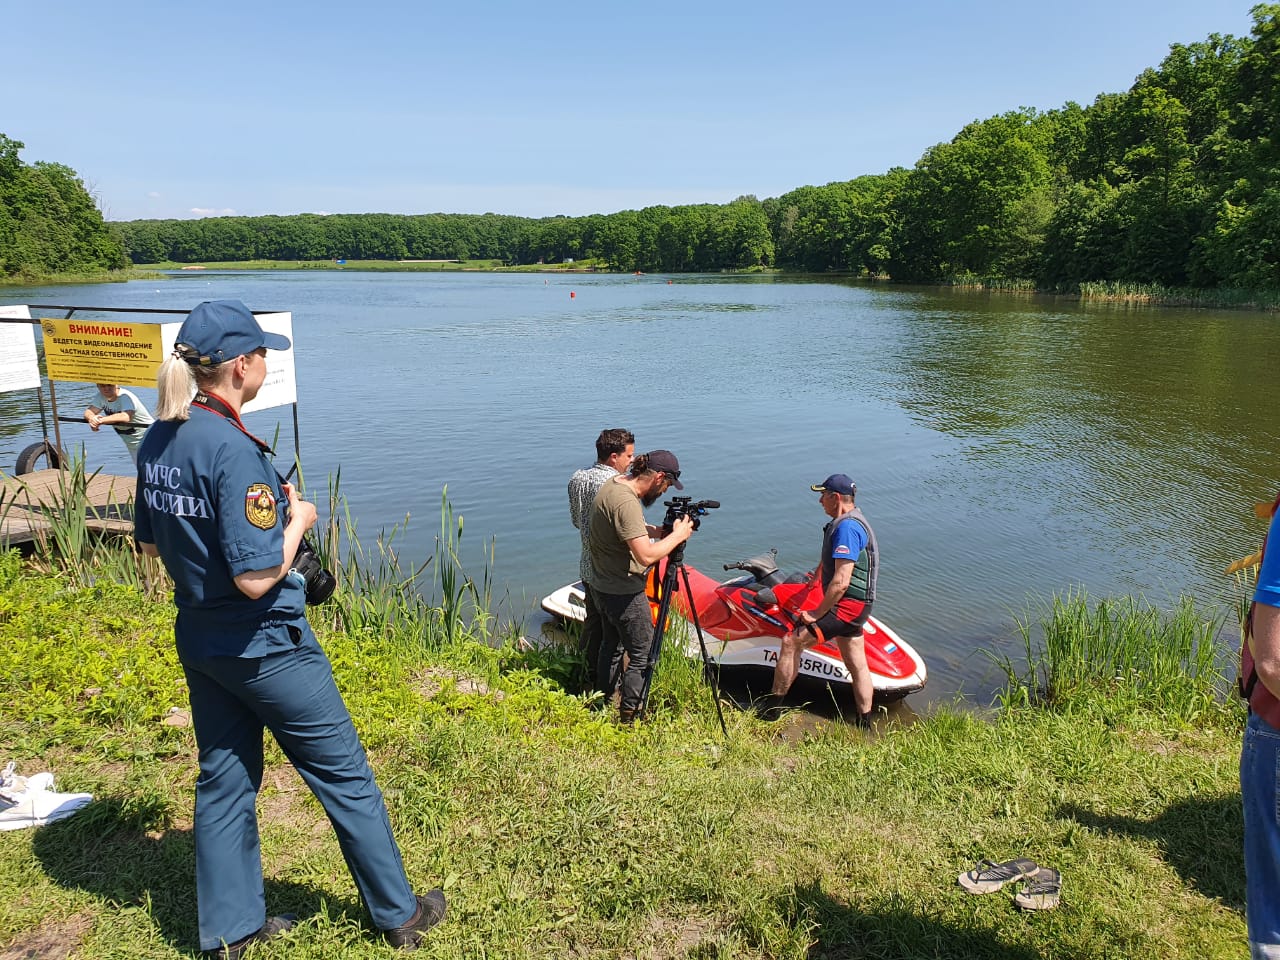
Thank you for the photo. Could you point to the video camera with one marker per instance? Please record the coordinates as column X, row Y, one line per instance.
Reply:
column 318, row 582
column 678, row 507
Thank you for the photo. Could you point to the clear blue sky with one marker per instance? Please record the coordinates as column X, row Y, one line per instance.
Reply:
column 279, row 106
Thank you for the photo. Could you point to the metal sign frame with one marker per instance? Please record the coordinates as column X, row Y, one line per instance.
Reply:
column 70, row 311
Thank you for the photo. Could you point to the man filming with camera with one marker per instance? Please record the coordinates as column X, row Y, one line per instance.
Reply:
column 619, row 542
column 847, row 570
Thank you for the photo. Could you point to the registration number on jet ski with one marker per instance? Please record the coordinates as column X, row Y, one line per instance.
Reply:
column 811, row 665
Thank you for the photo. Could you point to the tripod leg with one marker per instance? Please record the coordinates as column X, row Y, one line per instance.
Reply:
column 659, row 632
column 712, row 674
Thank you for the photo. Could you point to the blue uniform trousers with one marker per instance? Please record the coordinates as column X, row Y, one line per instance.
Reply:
column 292, row 694
column 1260, row 790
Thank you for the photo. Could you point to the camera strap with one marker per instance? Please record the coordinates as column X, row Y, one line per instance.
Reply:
column 215, row 404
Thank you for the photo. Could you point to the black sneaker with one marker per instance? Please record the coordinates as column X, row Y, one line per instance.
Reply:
column 868, row 720
column 272, row 928
column 770, row 708
column 431, row 906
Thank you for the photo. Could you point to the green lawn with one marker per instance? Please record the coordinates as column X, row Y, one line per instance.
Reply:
column 557, row 833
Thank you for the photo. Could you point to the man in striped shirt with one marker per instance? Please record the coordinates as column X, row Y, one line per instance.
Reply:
column 615, row 449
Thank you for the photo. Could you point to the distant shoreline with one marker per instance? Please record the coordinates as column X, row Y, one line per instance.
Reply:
column 1138, row 295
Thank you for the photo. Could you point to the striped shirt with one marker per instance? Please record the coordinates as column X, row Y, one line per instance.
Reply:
column 583, row 487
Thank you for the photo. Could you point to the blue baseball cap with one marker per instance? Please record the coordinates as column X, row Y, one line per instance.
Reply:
column 836, row 483
column 665, row 461
column 221, row 330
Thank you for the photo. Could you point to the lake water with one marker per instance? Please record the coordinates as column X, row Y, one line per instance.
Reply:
column 1004, row 448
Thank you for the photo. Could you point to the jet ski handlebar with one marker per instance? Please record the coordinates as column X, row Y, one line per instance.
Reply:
column 763, row 568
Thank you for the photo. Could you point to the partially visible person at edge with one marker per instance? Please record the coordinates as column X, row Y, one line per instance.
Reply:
column 621, row 552
column 847, row 571
column 212, row 507
column 615, row 449
column 121, row 410
column 1260, row 755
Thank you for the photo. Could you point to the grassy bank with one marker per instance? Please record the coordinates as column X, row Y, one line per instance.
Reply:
column 1157, row 294
column 558, row 833
column 27, row 278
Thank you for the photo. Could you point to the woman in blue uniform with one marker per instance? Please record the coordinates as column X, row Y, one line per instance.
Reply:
column 210, row 504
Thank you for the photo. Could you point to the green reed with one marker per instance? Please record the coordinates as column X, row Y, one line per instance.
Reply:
column 382, row 592
column 459, row 594
column 968, row 280
column 379, row 590
column 1157, row 293
column 1119, row 650
column 66, row 541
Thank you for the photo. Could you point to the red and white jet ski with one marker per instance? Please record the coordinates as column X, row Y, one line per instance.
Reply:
column 744, row 619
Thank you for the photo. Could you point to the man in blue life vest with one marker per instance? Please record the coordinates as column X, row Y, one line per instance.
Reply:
column 847, row 570
column 1260, row 754
column 615, row 449
column 212, row 507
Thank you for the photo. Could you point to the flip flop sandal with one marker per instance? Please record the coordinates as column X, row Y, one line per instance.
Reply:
column 989, row 876
column 1041, row 892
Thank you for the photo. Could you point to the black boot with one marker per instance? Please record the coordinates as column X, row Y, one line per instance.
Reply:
column 770, row 708
column 272, row 928
column 430, row 911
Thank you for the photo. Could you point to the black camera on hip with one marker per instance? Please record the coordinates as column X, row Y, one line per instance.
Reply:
column 678, row 507
column 318, row 582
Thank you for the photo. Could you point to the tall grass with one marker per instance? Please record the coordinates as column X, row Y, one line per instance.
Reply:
column 65, row 543
column 1120, row 653
column 379, row 592
column 968, row 280
column 460, row 596
column 1157, row 293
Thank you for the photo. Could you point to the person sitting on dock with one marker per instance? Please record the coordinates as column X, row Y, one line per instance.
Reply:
column 121, row 410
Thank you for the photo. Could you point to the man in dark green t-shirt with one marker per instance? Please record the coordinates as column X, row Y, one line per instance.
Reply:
column 619, row 542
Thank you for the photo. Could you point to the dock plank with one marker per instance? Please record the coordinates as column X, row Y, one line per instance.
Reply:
column 27, row 501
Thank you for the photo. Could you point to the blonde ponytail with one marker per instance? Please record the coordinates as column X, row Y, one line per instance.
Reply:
column 176, row 385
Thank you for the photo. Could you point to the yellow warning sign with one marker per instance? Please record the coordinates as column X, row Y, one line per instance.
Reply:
column 102, row 351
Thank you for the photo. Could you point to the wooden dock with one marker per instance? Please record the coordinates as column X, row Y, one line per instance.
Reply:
column 28, row 502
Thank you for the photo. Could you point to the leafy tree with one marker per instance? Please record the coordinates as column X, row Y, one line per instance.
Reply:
column 48, row 221
column 977, row 204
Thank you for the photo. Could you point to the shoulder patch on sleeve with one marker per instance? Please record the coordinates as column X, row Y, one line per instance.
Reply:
column 260, row 506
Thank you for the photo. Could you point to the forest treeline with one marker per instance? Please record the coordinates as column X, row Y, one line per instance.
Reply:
column 1176, row 182
column 49, row 222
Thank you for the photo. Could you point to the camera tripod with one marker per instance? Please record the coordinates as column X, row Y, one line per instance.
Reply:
column 670, row 584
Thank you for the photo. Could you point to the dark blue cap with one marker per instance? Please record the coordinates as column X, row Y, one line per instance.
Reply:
column 221, row 330
column 665, row 461
column 836, row 483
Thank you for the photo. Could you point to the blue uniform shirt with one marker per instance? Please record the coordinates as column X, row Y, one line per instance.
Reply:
column 1268, row 590
column 210, row 501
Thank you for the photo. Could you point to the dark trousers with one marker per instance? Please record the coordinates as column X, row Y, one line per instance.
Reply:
column 592, row 637
column 628, row 629
column 293, row 695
